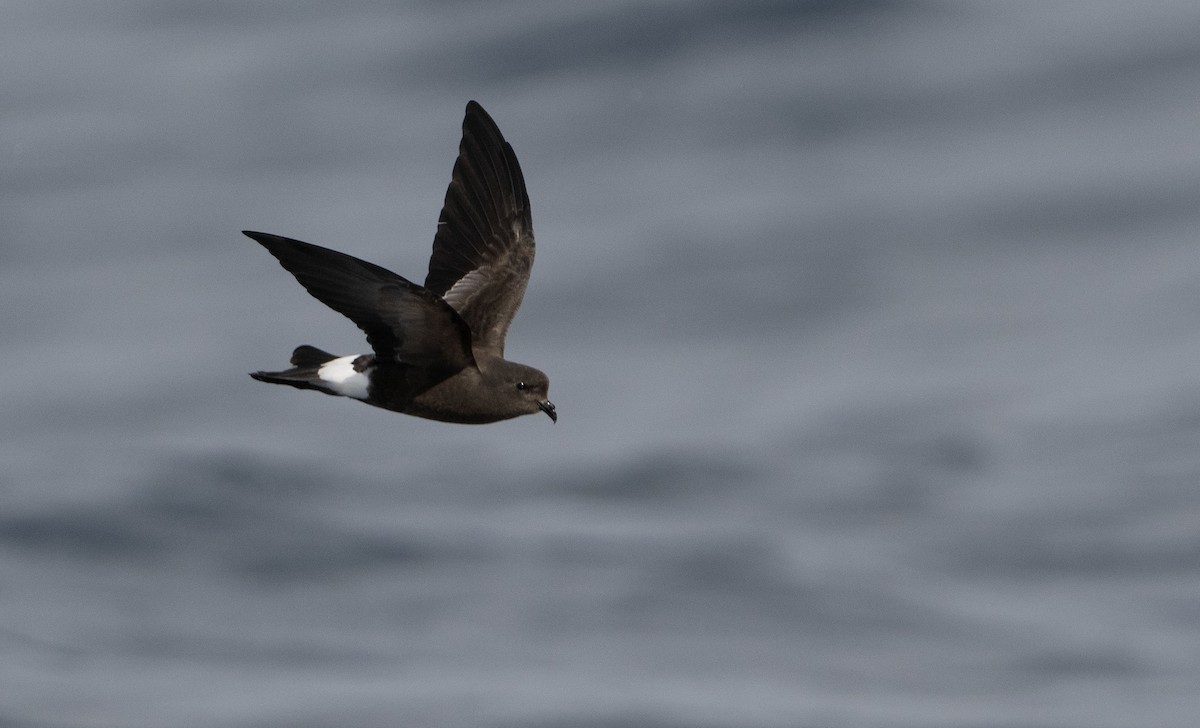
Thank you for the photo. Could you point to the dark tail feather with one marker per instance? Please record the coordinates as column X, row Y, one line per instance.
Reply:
column 306, row 361
column 310, row 356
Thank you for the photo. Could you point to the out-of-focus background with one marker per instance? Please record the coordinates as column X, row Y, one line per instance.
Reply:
column 874, row 329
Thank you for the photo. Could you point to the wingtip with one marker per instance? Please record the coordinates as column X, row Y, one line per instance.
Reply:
column 267, row 240
column 476, row 111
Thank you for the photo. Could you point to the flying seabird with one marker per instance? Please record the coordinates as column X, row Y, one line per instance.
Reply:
column 437, row 349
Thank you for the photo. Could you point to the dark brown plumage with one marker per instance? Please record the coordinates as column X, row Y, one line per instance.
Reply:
column 438, row 349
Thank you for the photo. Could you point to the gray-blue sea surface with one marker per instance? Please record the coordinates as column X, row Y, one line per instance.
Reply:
column 874, row 331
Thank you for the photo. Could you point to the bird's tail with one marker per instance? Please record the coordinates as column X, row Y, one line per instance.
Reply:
column 305, row 372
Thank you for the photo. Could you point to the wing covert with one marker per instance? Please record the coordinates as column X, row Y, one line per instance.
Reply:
column 484, row 247
column 402, row 320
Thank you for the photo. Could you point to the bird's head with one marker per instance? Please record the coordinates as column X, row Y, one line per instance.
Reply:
column 528, row 389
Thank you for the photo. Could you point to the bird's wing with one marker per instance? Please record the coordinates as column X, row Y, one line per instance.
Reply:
column 403, row 322
column 484, row 249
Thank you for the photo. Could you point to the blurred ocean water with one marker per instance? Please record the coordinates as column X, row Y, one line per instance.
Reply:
column 872, row 326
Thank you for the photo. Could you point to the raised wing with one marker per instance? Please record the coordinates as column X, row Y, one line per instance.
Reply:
column 402, row 321
column 483, row 251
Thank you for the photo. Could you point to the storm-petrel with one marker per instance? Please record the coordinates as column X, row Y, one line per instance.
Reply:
column 438, row 349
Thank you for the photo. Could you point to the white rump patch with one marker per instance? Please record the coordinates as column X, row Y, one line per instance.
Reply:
column 340, row 374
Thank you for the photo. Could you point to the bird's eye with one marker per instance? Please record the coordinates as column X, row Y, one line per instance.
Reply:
column 520, row 386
